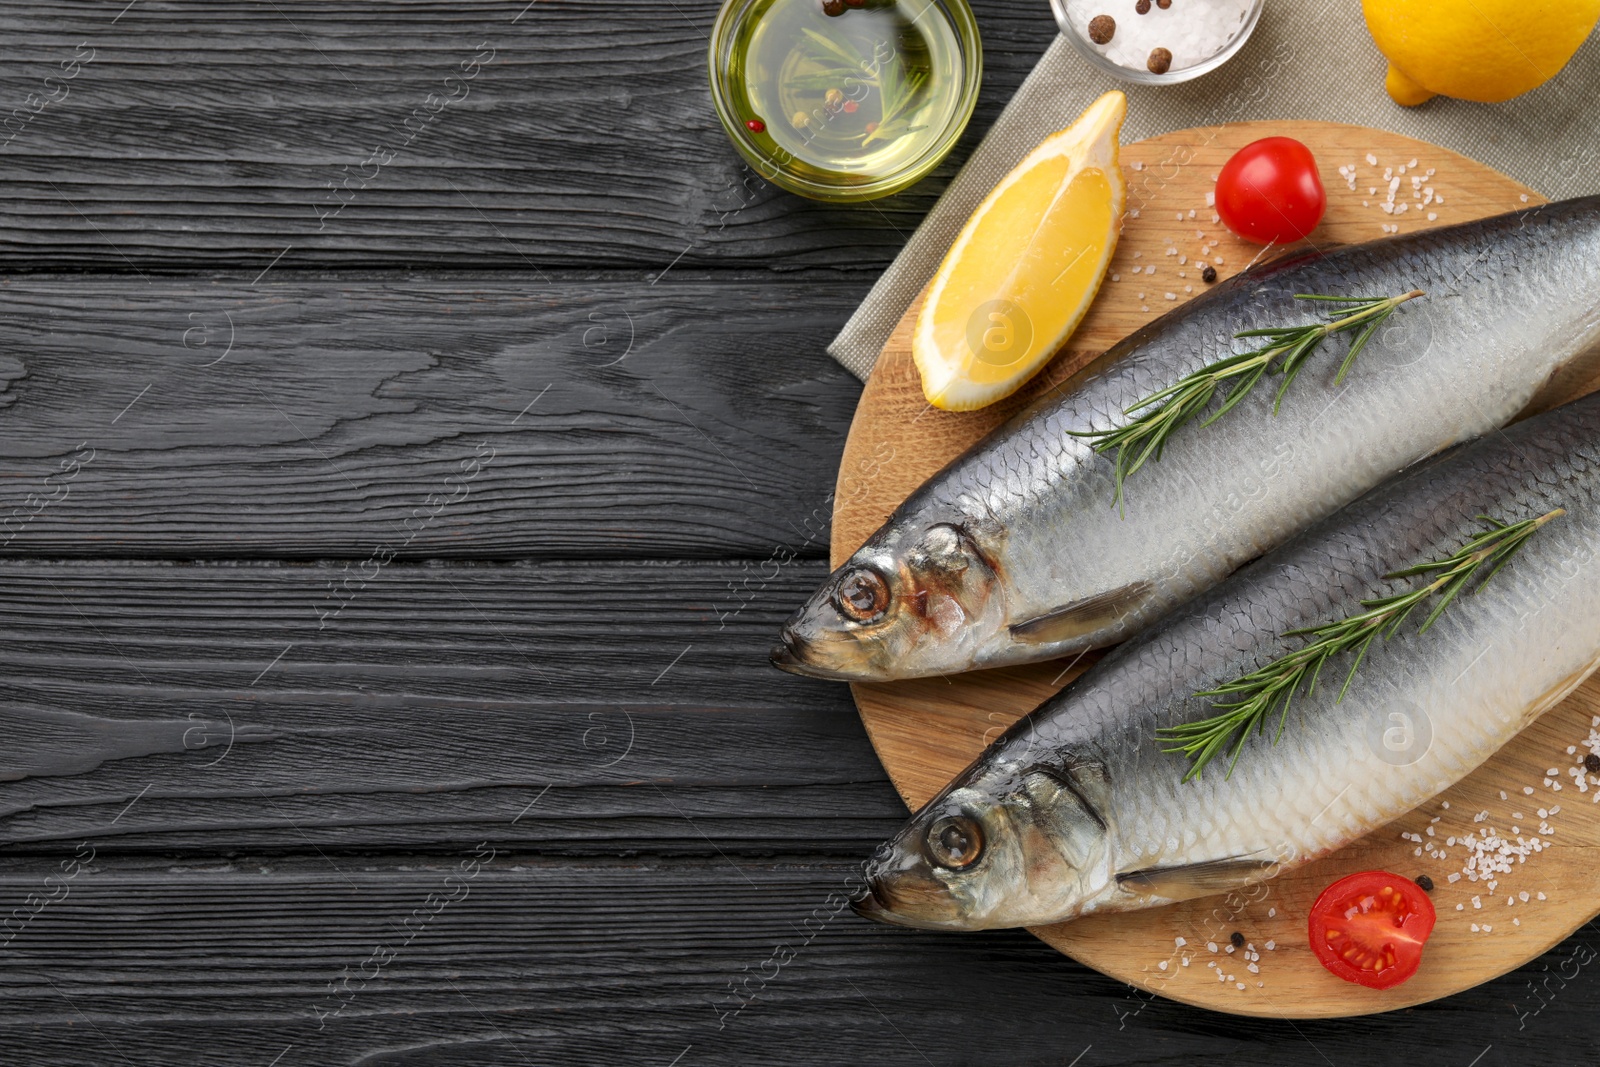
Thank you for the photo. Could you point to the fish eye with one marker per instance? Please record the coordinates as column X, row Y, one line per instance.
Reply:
column 863, row 595
column 955, row 842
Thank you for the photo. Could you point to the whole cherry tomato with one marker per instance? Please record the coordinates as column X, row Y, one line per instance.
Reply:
column 1269, row 191
column 1369, row 928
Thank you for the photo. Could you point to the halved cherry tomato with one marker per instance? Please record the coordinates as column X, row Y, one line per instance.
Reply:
column 1269, row 191
column 1369, row 928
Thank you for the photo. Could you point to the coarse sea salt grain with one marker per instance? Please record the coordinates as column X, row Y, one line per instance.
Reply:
column 1192, row 32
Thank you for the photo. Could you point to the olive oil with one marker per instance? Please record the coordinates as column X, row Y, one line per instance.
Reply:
column 845, row 92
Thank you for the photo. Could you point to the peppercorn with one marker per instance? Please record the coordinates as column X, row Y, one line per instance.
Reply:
column 871, row 127
column 1142, row 7
column 832, row 8
column 1425, row 882
column 834, row 99
column 1101, row 29
column 850, row 107
column 1160, row 61
column 755, row 126
column 1208, row 273
column 801, row 120
column 1163, row 4
column 1237, row 939
column 1591, row 763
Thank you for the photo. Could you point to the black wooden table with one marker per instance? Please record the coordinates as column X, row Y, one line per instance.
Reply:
column 416, row 424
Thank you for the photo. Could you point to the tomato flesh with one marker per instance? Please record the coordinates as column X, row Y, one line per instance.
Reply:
column 1269, row 191
column 1369, row 928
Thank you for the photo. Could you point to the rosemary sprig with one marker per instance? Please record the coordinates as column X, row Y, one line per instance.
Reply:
column 1275, row 685
column 1286, row 351
column 853, row 60
column 897, row 106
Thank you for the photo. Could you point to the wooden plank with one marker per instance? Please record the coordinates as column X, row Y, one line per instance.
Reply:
column 518, row 961
column 585, row 418
column 586, row 138
column 225, row 706
column 927, row 732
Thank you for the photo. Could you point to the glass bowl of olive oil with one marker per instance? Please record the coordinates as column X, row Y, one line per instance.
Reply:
column 845, row 99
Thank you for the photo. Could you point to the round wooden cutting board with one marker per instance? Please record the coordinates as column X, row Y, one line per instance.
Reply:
column 926, row 731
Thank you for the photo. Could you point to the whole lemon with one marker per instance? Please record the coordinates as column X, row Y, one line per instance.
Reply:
column 1487, row 50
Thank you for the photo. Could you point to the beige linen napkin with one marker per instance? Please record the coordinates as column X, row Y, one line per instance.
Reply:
column 1308, row 60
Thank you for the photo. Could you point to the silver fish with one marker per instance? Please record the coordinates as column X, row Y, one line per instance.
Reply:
column 1016, row 552
column 1078, row 809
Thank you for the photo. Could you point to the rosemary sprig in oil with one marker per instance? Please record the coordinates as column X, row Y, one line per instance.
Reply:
column 1159, row 415
column 1258, row 693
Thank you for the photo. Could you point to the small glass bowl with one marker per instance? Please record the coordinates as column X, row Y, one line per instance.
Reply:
column 1092, row 53
column 814, row 182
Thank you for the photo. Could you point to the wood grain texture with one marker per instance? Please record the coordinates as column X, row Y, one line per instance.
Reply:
column 527, row 962
column 207, row 134
column 685, row 419
column 243, row 711
column 926, row 731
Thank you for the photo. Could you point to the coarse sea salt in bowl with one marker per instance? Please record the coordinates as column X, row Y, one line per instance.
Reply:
column 1157, row 42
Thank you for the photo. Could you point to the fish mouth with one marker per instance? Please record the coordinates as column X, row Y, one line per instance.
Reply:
column 783, row 658
column 789, row 654
column 874, row 905
column 870, row 905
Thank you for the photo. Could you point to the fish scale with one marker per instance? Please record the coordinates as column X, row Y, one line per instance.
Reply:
column 1472, row 675
column 1342, row 767
column 1509, row 302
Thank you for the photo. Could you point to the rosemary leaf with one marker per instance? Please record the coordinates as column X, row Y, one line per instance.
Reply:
column 1155, row 418
column 853, row 59
column 1257, row 694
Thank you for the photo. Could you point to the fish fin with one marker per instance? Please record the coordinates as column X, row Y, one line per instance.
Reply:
column 1188, row 880
column 1083, row 617
column 1558, row 692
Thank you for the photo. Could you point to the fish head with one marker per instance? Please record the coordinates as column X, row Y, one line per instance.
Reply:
column 999, row 847
column 912, row 601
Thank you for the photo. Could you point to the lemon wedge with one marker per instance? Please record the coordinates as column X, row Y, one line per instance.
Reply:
column 1025, row 267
